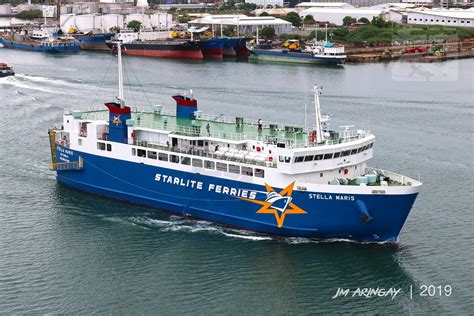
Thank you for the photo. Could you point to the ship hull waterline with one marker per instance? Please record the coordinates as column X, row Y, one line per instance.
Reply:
column 296, row 59
column 326, row 215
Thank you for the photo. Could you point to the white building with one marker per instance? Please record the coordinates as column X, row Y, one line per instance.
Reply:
column 338, row 5
column 336, row 16
column 244, row 24
column 458, row 17
column 103, row 23
column 264, row 3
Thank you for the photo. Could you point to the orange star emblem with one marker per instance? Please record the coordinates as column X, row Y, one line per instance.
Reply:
column 116, row 120
column 279, row 204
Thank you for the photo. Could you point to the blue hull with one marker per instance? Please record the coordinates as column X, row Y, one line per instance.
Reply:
column 205, row 197
column 41, row 48
column 95, row 41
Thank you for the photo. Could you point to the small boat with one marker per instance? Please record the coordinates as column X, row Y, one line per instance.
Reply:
column 51, row 44
column 6, row 70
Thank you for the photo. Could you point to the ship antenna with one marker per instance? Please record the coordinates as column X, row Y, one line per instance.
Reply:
column 317, row 108
column 120, row 75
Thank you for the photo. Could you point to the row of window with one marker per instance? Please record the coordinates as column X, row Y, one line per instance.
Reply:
column 102, row 146
column 200, row 163
column 329, row 155
column 432, row 20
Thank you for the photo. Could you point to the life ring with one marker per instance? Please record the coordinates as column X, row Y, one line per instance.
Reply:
column 258, row 149
column 346, row 171
column 133, row 135
column 62, row 142
column 270, row 158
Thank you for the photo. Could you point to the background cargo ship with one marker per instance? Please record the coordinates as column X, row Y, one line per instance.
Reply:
column 91, row 41
column 49, row 44
column 326, row 53
column 182, row 49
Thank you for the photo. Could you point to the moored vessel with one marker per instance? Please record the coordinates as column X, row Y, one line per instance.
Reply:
column 272, row 178
column 212, row 47
column 49, row 44
column 182, row 49
column 326, row 53
column 93, row 41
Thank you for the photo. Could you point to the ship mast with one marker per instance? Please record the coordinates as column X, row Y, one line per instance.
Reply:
column 120, row 75
column 317, row 108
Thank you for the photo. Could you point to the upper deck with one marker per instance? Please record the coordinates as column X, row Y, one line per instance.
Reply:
column 233, row 129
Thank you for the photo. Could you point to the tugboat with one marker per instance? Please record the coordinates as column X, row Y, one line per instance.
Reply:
column 44, row 43
column 6, row 70
column 270, row 178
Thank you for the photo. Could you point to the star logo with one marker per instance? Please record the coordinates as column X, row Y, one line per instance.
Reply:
column 116, row 120
column 278, row 204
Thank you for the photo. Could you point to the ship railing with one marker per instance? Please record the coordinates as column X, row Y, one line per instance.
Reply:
column 202, row 153
column 395, row 178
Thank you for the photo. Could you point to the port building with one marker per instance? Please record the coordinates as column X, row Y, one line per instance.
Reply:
column 244, row 24
column 337, row 15
column 452, row 17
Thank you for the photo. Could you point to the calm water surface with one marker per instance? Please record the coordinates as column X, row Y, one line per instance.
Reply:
column 63, row 251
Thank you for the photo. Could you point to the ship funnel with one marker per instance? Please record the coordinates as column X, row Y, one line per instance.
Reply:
column 118, row 115
column 185, row 106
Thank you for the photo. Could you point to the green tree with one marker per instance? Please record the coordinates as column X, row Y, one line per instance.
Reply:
column 348, row 20
column 379, row 22
column 134, row 25
column 294, row 18
column 364, row 20
column 309, row 19
column 267, row 32
column 30, row 14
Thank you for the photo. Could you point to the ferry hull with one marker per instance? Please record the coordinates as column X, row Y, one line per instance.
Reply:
column 329, row 215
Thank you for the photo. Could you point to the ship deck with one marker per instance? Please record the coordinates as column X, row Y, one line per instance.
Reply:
column 226, row 128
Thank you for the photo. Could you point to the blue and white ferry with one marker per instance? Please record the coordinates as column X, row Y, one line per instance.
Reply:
column 270, row 178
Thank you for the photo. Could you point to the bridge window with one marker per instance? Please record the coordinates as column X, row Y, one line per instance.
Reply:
column 101, row 146
column 299, row 159
column 197, row 163
column 152, row 154
column 327, row 156
column 141, row 153
column 360, row 149
column 247, row 171
column 309, row 158
column 134, row 152
column 163, row 157
column 337, row 155
column 221, row 166
column 260, row 173
column 371, row 145
column 318, row 157
column 109, row 147
column 345, row 153
column 234, row 169
column 354, row 151
column 209, row 164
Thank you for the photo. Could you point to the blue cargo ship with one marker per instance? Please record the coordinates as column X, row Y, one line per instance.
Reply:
column 91, row 41
column 49, row 44
column 271, row 178
column 212, row 47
